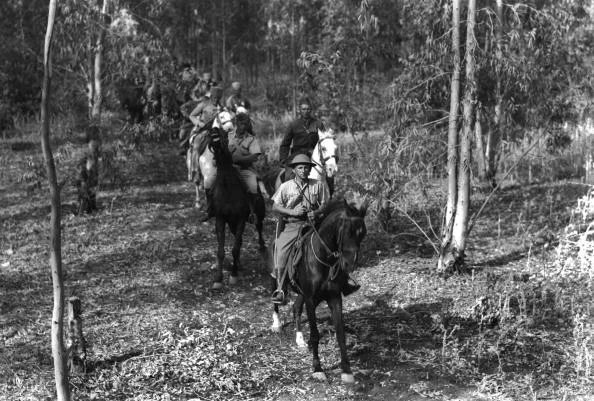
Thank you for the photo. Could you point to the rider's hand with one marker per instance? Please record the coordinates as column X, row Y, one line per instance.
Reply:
column 311, row 215
column 299, row 211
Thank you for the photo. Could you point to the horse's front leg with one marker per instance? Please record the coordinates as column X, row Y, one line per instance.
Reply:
column 314, row 340
column 197, row 202
column 218, row 279
column 236, row 252
column 335, row 305
column 297, row 311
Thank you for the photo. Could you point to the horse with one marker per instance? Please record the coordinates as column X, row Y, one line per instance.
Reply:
column 230, row 206
column 328, row 253
column 325, row 158
column 200, row 159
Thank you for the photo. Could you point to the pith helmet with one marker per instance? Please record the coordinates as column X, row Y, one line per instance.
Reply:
column 301, row 159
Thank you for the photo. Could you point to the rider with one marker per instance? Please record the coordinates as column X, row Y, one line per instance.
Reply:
column 237, row 103
column 298, row 201
column 301, row 137
column 245, row 150
column 202, row 117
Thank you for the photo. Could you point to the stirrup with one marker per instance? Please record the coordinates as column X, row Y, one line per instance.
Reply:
column 278, row 297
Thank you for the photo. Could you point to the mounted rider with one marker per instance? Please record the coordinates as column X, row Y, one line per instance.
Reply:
column 237, row 102
column 300, row 202
column 245, row 150
column 301, row 136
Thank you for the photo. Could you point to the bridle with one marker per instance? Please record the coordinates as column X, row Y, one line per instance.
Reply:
column 322, row 163
column 339, row 264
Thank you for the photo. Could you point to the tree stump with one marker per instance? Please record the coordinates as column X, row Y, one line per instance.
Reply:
column 88, row 179
column 75, row 343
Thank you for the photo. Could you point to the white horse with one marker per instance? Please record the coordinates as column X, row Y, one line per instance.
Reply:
column 202, row 169
column 325, row 158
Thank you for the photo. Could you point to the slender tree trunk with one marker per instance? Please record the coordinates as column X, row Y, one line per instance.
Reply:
column 452, row 252
column 98, row 101
column 293, row 59
column 89, row 77
column 60, row 371
column 480, row 149
column 452, row 136
column 496, row 133
column 459, row 232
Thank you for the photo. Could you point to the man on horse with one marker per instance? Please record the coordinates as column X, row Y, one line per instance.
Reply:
column 245, row 150
column 299, row 201
column 301, row 137
column 237, row 103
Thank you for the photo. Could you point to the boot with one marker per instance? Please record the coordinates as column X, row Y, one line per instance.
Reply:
column 348, row 288
column 253, row 200
column 209, row 212
column 278, row 296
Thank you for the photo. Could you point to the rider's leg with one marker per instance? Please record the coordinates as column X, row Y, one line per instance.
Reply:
column 282, row 247
column 250, row 180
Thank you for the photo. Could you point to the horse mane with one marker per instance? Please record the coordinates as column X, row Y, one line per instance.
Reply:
column 342, row 205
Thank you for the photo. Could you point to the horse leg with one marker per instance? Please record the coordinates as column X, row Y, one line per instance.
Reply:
column 277, row 326
column 314, row 340
column 197, row 202
column 218, row 280
column 335, row 305
column 297, row 311
column 236, row 251
column 260, row 209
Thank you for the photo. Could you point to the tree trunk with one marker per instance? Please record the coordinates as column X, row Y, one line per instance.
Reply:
column 480, row 149
column 452, row 257
column 496, row 133
column 98, row 100
column 89, row 77
column 452, row 135
column 60, row 372
column 77, row 347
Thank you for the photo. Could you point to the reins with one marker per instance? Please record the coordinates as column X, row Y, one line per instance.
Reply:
column 336, row 254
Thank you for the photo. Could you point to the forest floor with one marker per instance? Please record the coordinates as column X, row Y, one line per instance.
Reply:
column 142, row 266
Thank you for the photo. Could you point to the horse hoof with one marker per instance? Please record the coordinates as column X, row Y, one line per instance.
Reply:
column 321, row 376
column 233, row 280
column 347, row 378
column 217, row 286
column 299, row 340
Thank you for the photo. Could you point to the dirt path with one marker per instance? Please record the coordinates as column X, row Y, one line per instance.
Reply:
column 142, row 266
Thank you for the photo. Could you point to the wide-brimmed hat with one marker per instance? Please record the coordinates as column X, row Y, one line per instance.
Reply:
column 301, row 159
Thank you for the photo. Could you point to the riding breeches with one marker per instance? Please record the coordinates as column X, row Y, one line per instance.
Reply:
column 250, row 179
column 283, row 244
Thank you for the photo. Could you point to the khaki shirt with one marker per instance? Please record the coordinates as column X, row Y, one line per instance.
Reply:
column 244, row 145
column 313, row 194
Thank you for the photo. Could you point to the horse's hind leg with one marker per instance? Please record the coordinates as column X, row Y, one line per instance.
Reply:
column 218, row 279
column 277, row 326
column 335, row 305
column 314, row 340
column 236, row 251
column 297, row 311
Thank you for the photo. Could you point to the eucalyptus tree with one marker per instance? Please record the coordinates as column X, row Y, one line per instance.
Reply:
column 57, row 338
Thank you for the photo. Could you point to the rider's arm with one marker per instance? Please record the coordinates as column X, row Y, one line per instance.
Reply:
column 195, row 114
column 285, row 146
column 245, row 160
column 297, row 212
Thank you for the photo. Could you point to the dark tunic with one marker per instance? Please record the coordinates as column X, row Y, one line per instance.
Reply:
column 301, row 137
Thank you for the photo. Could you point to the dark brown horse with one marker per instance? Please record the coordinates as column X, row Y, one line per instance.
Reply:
column 329, row 252
column 230, row 206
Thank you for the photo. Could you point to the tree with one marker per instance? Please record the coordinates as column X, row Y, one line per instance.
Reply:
column 60, row 371
column 455, row 231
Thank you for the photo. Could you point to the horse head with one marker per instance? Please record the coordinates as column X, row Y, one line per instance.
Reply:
column 349, row 220
column 325, row 154
column 224, row 121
